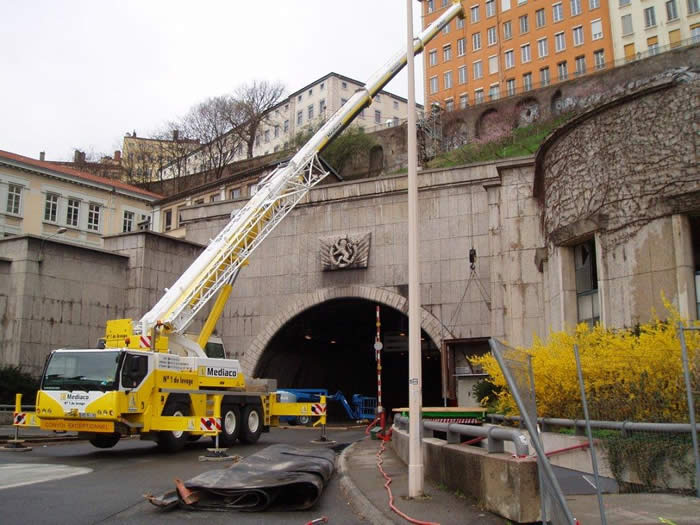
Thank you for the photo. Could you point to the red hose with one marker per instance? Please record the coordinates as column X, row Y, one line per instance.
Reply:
column 567, row 449
column 473, row 441
column 391, row 496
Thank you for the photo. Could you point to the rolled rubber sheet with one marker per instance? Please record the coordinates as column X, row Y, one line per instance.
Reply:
column 280, row 476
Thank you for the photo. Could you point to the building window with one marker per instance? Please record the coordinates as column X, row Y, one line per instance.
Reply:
column 593, row 4
column 344, row 85
column 542, row 49
column 562, row 71
column 432, row 57
column 695, row 33
column 478, row 71
column 431, row 6
column 493, row 64
column 559, row 42
column 630, row 53
column 93, row 222
column 286, row 126
column 460, row 23
column 235, row 193
column 128, row 222
column 507, row 30
column 14, row 198
column 505, row 5
column 693, row 6
column 322, row 106
column 653, row 45
column 300, row 117
column 168, row 220
column 446, row 53
column 510, row 61
column 580, row 65
column 597, row 29
column 510, row 87
column 72, row 212
column 649, row 17
column 671, row 10
column 463, row 101
column 299, row 98
column 587, row 300
column 310, row 110
column 557, row 12
column 433, row 84
column 478, row 96
column 447, row 79
column 449, row 104
column 627, row 28
column 476, row 41
column 544, row 76
column 323, row 86
column 396, row 104
column 277, row 130
column 475, row 14
column 674, row 38
column 494, row 92
column 540, row 19
column 267, row 135
column 490, row 8
column 525, row 55
column 575, row 7
column 446, row 29
column 462, row 74
column 461, row 47
column 624, row 3
column 524, row 24
column 491, row 35
column 252, row 189
column 377, row 116
column 578, row 35
column 51, row 207
column 527, row 81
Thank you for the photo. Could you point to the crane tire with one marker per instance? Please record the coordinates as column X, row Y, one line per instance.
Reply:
column 230, row 425
column 173, row 441
column 251, row 424
column 105, row 440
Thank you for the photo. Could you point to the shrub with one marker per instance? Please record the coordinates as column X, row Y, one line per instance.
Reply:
column 14, row 381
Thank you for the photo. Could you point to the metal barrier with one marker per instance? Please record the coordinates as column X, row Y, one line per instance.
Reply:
column 548, row 422
column 494, row 436
column 11, row 408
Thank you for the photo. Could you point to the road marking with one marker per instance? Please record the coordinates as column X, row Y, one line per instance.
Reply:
column 20, row 474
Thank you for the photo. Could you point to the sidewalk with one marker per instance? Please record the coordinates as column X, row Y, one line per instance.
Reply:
column 363, row 484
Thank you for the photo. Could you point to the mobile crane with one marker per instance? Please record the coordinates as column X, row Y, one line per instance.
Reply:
column 149, row 379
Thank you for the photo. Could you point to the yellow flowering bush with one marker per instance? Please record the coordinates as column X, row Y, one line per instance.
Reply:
column 630, row 375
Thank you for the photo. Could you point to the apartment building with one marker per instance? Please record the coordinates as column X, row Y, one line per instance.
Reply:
column 504, row 47
column 44, row 199
column 643, row 28
column 306, row 109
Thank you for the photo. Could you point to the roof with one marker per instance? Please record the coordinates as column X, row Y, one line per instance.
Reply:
column 52, row 169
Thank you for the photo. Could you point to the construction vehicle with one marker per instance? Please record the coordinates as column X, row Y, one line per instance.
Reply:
column 362, row 407
column 150, row 379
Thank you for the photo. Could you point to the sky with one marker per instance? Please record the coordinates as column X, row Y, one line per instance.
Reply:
column 81, row 74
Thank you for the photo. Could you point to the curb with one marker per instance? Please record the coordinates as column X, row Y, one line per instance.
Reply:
column 359, row 503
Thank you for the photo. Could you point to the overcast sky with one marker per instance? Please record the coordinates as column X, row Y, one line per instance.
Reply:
column 80, row 74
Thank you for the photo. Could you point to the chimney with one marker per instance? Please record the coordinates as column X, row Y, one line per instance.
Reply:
column 117, row 156
column 134, row 134
column 76, row 156
column 176, row 134
column 42, row 155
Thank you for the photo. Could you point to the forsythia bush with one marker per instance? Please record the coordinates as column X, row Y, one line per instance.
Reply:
column 630, row 375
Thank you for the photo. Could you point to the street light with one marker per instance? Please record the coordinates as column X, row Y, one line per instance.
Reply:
column 60, row 231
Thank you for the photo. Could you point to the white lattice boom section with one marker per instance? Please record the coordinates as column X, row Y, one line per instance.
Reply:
column 278, row 193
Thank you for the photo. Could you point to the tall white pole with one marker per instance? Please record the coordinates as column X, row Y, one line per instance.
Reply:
column 415, row 401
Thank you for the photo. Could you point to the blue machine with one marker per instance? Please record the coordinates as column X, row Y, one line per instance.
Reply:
column 362, row 407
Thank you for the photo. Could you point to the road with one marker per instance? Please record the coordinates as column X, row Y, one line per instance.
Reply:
column 107, row 486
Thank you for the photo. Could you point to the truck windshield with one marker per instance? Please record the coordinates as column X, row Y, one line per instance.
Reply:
column 82, row 371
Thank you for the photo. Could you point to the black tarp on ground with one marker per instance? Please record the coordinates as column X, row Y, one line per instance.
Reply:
column 286, row 477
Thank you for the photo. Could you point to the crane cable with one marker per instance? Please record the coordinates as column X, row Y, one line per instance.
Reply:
column 473, row 276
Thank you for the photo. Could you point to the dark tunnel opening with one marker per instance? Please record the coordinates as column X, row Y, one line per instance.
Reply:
column 331, row 346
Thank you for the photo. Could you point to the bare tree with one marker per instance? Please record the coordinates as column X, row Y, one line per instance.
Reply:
column 251, row 105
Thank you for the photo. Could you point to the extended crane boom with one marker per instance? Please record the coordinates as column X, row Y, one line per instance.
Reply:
column 278, row 193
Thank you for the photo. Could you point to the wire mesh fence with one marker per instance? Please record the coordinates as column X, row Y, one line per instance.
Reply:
column 516, row 366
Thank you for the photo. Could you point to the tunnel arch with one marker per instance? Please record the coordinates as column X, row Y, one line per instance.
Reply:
column 429, row 323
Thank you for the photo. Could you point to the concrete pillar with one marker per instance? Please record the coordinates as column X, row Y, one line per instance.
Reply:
column 685, row 266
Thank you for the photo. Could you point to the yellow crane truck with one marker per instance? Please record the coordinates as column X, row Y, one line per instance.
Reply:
column 150, row 379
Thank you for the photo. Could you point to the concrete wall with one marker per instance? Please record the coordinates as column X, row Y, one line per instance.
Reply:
column 62, row 301
column 500, row 482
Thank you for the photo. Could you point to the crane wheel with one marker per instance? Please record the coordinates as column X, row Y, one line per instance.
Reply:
column 252, row 424
column 105, row 440
column 172, row 441
column 230, row 425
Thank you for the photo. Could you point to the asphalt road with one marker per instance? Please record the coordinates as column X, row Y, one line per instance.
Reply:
column 107, row 486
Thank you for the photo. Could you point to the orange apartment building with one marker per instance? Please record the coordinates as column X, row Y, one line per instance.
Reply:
column 504, row 47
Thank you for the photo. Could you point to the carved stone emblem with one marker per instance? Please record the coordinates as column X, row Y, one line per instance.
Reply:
column 347, row 251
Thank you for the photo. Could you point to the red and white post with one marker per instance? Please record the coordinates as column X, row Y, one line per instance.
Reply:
column 378, row 356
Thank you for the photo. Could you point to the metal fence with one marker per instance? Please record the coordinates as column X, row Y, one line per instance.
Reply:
column 516, row 366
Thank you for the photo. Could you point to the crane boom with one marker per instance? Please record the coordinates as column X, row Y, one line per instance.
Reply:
column 277, row 195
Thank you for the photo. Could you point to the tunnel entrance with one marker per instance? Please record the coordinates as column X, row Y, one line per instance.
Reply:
column 331, row 346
